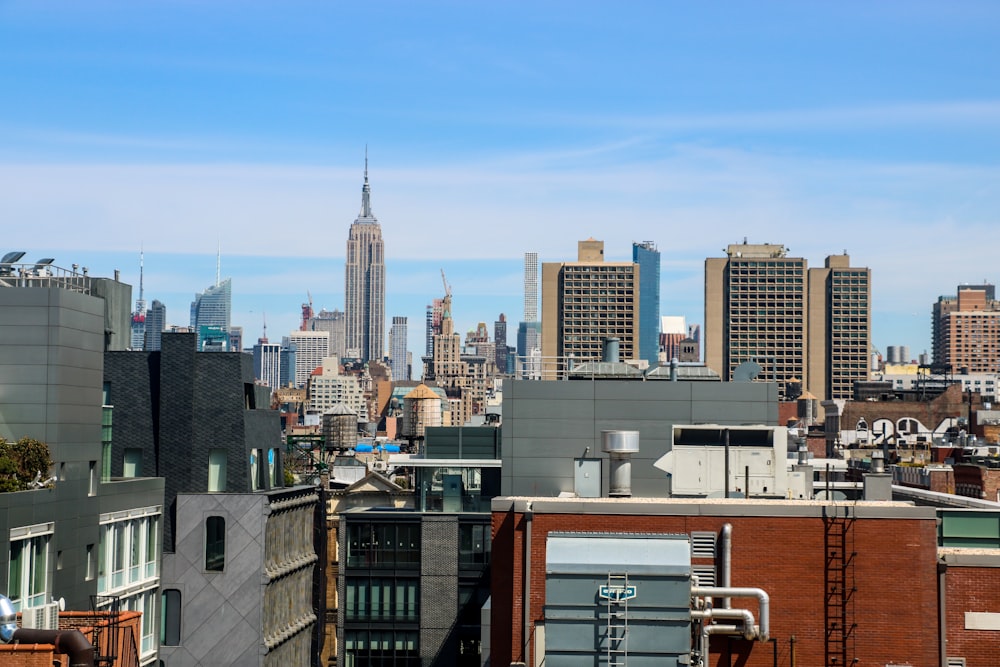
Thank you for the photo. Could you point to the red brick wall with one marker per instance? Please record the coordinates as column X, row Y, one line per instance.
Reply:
column 972, row 589
column 783, row 555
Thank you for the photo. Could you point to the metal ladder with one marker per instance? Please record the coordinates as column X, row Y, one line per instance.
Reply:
column 617, row 620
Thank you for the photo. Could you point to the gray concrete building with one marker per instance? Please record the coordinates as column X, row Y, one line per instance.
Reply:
column 552, row 429
column 55, row 326
column 241, row 583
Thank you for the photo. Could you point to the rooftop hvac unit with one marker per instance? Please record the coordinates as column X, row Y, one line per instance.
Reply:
column 45, row 617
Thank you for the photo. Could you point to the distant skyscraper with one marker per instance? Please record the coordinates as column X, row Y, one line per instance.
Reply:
column 267, row 362
column 809, row 325
column 500, row 339
column 433, row 324
column 585, row 302
column 364, row 302
column 397, row 344
column 311, row 347
column 965, row 329
column 156, row 322
column 287, row 362
column 531, row 287
column 138, row 340
column 211, row 308
column 647, row 257
column 334, row 322
column 235, row 339
column 529, row 339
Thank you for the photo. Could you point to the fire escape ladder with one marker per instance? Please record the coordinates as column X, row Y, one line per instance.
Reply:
column 840, row 584
column 616, row 595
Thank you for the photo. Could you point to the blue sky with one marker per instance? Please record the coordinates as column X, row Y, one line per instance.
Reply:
column 495, row 129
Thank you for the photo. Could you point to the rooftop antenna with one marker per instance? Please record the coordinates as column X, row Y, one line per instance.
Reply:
column 140, row 273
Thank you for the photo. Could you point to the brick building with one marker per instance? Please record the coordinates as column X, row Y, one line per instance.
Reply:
column 792, row 550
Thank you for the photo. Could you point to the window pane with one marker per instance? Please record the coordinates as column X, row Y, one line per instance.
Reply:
column 215, row 543
column 170, row 627
column 217, row 460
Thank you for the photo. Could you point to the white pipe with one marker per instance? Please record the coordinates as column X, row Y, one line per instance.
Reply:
column 749, row 630
column 762, row 597
column 727, row 561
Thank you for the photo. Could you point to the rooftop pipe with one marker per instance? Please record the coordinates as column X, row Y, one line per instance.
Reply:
column 69, row 642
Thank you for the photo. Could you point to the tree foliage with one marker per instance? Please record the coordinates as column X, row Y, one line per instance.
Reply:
column 21, row 461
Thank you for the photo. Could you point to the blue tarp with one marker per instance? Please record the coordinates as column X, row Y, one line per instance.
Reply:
column 363, row 447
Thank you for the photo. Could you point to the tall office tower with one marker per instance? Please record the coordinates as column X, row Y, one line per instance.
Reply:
column 531, row 287
column 210, row 315
column 287, row 372
column 647, row 257
column 966, row 329
column 529, row 336
column 840, row 326
column 156, row 322
column 311, row 347
column 812, row 325
column 139, row 316
column 397, row 345
column 334, row 322
column 267, row 362
column 364, row 301
column 500, row 339
column 583, row 303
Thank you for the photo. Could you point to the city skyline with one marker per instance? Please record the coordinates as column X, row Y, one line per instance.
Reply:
column 499, row 130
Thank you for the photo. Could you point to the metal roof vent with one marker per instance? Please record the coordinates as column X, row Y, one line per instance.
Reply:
column 620, row 446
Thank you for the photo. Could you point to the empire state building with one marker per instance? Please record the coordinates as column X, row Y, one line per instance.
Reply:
column 364, row 302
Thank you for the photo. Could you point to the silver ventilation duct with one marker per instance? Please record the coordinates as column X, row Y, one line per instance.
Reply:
column 620, row 446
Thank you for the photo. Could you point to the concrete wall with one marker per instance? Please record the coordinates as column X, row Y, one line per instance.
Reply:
column 547, row 424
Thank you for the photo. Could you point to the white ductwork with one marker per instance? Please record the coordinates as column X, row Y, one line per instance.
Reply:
column 764, row 600
column 727, row 561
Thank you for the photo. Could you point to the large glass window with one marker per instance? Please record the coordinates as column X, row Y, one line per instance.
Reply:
column 379, row 545
column 129, row 550
column 388, row 648
column 215, row 543
column 28, row 576
column 382, row 599
column 473, row 544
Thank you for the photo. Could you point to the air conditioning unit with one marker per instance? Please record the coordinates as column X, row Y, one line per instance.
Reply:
column 380, row 466
column 45, row 617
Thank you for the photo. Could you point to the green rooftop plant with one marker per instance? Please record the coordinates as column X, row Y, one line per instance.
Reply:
column 23, row 464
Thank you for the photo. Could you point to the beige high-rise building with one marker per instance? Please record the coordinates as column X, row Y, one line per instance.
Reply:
column 364, row 300
column 583, row 303
column 796, row 323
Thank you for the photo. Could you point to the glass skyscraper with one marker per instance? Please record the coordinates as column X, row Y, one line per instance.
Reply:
column 647, row 257
column 211, row 308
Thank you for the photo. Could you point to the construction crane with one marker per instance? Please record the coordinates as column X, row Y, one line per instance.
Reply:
column 446, row 305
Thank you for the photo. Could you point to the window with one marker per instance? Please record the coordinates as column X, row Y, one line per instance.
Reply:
column 215, row 543
column 272, row 468
column 385, row 545
column 255, row 470
column 381, row 647
column 217, row 459
column 170, row 618
column 473, row 544
column 129, row 550
column 132, row 465
column 28, row 576
column 382, row 599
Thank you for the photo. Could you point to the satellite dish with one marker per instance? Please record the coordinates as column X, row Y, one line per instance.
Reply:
column 746, row 372
column 62, row 604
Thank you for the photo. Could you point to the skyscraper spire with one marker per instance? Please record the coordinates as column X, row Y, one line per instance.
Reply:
column 366, row 192
column 140, row 274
